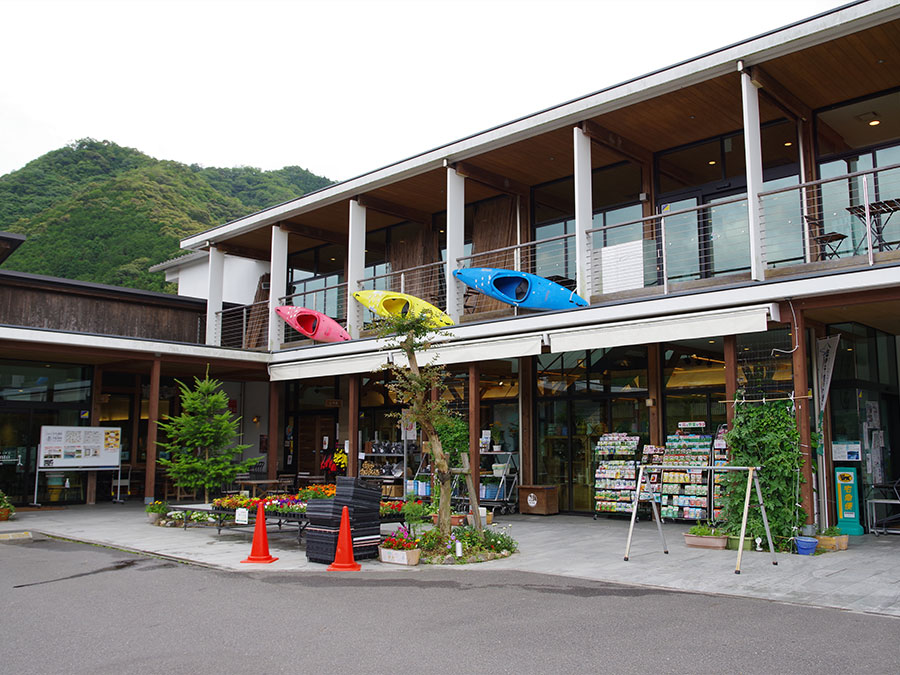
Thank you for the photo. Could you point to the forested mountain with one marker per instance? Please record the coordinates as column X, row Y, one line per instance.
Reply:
column 96, row 211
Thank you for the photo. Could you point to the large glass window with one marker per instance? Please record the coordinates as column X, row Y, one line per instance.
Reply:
column 54, row 383
column 694, row 380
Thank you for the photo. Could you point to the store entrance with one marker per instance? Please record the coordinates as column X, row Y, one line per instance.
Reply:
column 315, row 433
column 567, row 433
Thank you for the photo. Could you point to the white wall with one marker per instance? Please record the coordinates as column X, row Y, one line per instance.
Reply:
column 241, row 278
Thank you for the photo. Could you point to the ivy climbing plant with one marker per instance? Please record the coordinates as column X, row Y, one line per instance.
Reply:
column 765, row 435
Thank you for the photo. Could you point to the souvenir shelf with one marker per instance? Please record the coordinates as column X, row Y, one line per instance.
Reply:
column 684, row 494
column 615, row 477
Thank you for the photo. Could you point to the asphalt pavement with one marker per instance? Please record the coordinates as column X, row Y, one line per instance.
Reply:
column 865, row 578
column 71, row 608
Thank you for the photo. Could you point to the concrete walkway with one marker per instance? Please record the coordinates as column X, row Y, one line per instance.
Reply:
column 865, row 578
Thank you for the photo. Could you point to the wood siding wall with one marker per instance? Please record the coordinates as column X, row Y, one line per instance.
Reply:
column 59, row 310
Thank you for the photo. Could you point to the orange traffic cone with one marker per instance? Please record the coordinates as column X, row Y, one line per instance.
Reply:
column 260, row 551
column 343, row 557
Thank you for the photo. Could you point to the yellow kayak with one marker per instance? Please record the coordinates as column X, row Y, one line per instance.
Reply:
column 388, row 303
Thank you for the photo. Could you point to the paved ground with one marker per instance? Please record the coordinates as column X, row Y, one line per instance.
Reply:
column 72, row 608
column 865, row 578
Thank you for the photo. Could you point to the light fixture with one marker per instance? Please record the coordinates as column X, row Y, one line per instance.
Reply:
column 870, row 118
column 787, row 144
column 255, row 419
column 712, row 162
column 333, row 259
column 712, row 342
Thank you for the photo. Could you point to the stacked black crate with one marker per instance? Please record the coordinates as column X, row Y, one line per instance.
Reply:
column 324, row 515
column 364, row 502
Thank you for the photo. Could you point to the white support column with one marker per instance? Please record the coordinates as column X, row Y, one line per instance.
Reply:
column 277, row 285
column 215, row 281
column 753, row 161
column 584, row 211
column 356, row 265
column 456, row 239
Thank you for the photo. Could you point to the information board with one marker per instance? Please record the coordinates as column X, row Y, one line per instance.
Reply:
column 79, row 447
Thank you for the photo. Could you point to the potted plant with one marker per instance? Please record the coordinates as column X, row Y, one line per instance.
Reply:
column 156, row 510
column 6, row 507
column 497, row 436
column 400, row 548
column 831, row 539
column 705, row 536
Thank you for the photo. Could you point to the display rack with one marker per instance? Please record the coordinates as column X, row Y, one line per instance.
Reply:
column 684, row 494
column 615, row 473
column 396, row 456
column 721, row 456
column 501, row 497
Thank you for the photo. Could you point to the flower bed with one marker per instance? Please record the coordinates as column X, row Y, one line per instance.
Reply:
column 494, row 542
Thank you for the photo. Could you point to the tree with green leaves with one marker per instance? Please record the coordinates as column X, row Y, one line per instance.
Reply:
column 412, row 386
column 201, row 439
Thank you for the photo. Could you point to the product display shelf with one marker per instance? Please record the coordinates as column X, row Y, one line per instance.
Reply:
column 615, row 476
column 502, row 496
column 684, row 494
column 388, row 462
column 721, row 456
column 653, row 454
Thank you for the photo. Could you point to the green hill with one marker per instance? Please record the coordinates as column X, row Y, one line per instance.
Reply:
column 95, row 211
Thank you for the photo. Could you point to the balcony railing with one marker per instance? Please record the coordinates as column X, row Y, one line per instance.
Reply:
column 330, row 300
column 841, row 221
column 426, row 282
column 245, row 327
column 552, row 258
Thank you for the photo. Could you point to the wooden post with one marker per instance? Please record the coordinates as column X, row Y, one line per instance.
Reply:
column 655, row 392
column 152, row 419
column 353, row 427
column 274, row 430
column 526, row 419
column 801, row 389
column 96, row 389
column 731, row 375
column 475, row 423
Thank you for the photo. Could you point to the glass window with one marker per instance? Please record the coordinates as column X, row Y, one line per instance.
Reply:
column 862, row 124
column 779, row 145
column 554, row 201
column 557, row 373
column 614, row 185
column 689, row 167
column 33, row 381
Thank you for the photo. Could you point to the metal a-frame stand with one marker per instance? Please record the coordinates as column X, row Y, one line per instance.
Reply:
column 752, row 479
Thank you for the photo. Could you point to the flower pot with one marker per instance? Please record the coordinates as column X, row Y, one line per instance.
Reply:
column 498, row 448
column 698, row 541
column 498, row 470
column 455, row 519
column 838, row 543
column 733, row 542
column 4, row 514
column 806, row 545
column 154, row 518
column 397, row 557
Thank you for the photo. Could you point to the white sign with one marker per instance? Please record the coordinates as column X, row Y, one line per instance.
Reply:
column 826, row 352
column 692, row 425
column 79, row 447
column 873, row 414
column 241, row 516
column 845, row 452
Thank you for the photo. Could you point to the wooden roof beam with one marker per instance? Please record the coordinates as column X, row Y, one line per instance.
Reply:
column 492, row 180
column 396, row 210
column 780, row 94
column 314, row 233
column 243, row 251
column 609, row 139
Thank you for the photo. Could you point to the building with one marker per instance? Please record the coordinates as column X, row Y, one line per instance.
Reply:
column 721, row 216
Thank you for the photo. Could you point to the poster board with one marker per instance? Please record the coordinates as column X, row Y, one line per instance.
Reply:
column 64, row 448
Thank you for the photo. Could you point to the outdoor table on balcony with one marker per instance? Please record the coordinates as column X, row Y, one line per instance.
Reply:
column 886, row 208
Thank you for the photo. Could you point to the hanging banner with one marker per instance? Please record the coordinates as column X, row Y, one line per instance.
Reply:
column 826, row 351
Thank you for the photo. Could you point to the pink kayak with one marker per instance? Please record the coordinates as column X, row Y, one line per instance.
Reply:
column 312, row 324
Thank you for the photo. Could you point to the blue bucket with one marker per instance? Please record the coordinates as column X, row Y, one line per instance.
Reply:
column 806, row 545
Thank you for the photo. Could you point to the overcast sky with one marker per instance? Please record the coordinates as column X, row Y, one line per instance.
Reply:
column 339, row 87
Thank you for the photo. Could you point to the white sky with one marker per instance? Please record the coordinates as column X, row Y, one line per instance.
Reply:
column 339, row 87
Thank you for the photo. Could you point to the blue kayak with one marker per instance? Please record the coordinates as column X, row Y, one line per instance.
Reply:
column 519, row 289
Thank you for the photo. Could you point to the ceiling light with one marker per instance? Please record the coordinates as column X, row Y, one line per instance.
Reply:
column 712, row 162
column 712, row 342
column 333, row 259
column 870, row 118
column 787, row 144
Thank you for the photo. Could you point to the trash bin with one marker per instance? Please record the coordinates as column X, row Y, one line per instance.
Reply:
column 538, row 499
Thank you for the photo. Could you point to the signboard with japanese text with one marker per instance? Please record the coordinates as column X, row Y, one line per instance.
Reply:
column 79, row 447
column 847, row 500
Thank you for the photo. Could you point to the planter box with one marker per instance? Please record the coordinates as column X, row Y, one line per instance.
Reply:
column 838, row 543
column 696, row 541
column 410, row 557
